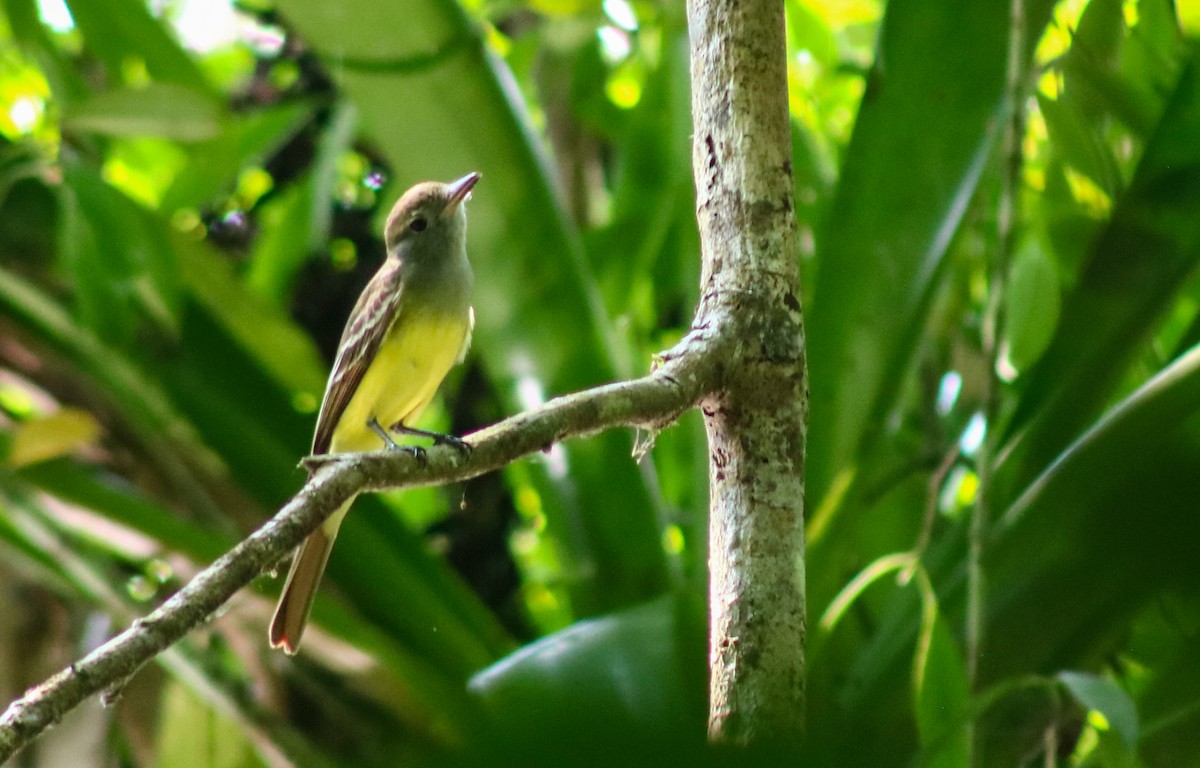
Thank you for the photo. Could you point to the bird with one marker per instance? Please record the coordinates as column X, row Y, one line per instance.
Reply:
column 411, row 324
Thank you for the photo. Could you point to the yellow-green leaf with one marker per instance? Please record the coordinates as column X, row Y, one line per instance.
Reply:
column 48, row 437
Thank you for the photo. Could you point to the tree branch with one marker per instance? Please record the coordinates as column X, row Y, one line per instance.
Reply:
column 757, row 420
column 685, row 375
column 743, row 362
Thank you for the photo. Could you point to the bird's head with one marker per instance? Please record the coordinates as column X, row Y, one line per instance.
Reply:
column 429, row 220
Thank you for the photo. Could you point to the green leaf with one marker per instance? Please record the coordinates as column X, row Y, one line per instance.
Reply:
column 244, row 141
column 192, row 734
column 285, row 237
column 261, row 327
column 1109, row 699
column 1110, row 520
column 807, row 31
column 124, row 504
column 335, row 142
column 122, row 32
column 910, row 171
column 1080, row 141
column 47, row 437
column 119, row 257
column 942, row 700
column 24, row 20
column 157, row 109
column 1140, row 261
column 1031, row 306
column 1189, row 17
column 632, row 672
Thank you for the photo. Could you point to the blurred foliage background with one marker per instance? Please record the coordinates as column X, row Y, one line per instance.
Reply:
column 191, row 195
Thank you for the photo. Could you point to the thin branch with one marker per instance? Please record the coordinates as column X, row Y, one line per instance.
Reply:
column 993, row 326
column 654, row 401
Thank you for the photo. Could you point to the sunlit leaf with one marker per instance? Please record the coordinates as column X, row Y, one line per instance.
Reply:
column 887, row 233
column 122, row 32
column 1139, row 262
column 194, row 735
column 1107, row 698
column 246, row 140
column 157, row 109
column 47, row 437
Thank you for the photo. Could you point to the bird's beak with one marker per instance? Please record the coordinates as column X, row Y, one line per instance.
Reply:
column 458, row 192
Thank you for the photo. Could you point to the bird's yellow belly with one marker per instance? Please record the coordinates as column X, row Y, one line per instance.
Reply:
column 408, row 369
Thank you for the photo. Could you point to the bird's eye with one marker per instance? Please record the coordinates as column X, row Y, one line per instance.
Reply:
column 418, row 224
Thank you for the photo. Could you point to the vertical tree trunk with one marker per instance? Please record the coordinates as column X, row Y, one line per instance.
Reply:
column 756, row 421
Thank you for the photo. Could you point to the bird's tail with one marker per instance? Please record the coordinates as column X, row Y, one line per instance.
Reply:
column 303, row 578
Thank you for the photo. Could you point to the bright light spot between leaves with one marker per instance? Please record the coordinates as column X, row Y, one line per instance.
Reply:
column 206, row 25
column 1005, row 369
column 614, row 44
column 948, row 391
column 531, row 395
column 25, row 114
column 621, row 13
column 622, row 91
column 529, row 392
column 1097, row 720
column 673, row 540
column 55, row 15
column 973, row 435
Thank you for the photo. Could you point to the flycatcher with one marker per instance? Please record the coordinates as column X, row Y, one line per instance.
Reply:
column 411, row 325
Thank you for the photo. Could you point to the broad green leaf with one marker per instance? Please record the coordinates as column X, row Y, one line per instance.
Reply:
column 156, row 109
column 192, row 734
column 1080, row 141
column 1109, row 699
column 1168, row 690
column 261, row 327
column 388, row 574
column 169, row 441
column 1098, row 35
column 118, row 254
column 808, row 31
column 632, row 672
column 1031, row 306
column 1189, row 17
column 1139, row 263
column 1110, row 75
column 643, row 261
column 924, row 132
column 1109, row 523
column 244, row 141
column 124, row 504
column 122, row 33
column 283, row 244
column 335, row 142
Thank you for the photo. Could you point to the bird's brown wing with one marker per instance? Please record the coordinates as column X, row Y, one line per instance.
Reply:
column 369, row 322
